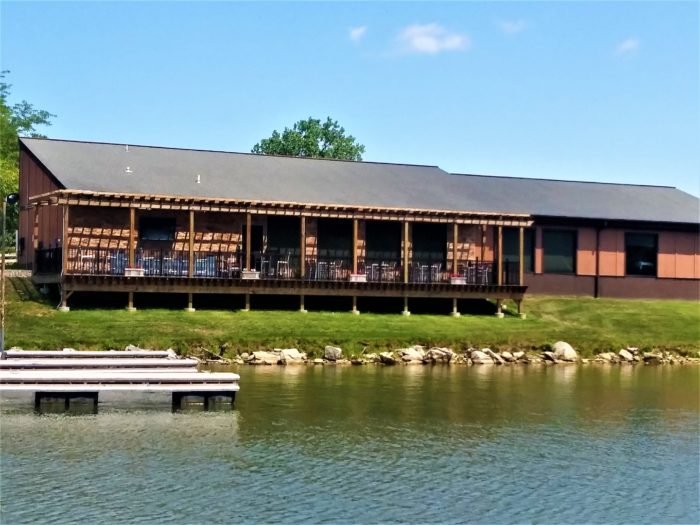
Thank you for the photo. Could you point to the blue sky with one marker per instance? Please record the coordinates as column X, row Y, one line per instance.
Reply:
column 580, row 90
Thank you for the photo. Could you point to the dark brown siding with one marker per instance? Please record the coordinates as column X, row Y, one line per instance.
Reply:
column 556, row 284
column 35, row 180
column 649, row 288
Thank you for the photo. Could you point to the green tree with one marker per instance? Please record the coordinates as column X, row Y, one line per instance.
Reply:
column 20, row 119
column 311, row 138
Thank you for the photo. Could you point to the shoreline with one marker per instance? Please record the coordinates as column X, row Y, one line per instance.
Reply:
column 561, row 354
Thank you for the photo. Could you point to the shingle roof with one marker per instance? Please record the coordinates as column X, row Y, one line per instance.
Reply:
column 166, row 171
column 588, row 200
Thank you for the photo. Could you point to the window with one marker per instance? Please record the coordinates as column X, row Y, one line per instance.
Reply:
column 640, row 253
column 511, row 247
column 284, row 234
column 156, row 229
column 559, row 251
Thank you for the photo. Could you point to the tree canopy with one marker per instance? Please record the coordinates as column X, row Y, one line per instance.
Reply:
column 311, row 138
column 15, row 120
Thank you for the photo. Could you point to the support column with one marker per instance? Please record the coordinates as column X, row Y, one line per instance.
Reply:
column 132, row 227
column 405, row 306
column 64, row 241
column 405, row 255
column 64, row 301
column 130, row 303
column 499, row 308
column 191, row 238
column 301, row 305
column 302, row 249
column 499, row 279
column 247, row 303
column 35, row 230
column 248, row 230
column 455, row 311
column 521, row 314
column 455, row 237
column 521, row 259
column 483, row 242
column 354, row 246
column 190, row 307
column 354, row 310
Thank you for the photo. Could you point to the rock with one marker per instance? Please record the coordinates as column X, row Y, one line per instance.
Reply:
column 519, row 355
column 652, row 358
column 411, row 355
column 479, row 357
column 493, row 355
column 264, row 358
column 291, row 356
column 387, row 358
column 626, row 355
column 318, row 361
column 237, row 361
column 550, row 357
column 564, row 351
column 459, row 360
column 129, row 348
column 439, row 355
column 356, row 361
column 605, row 356
column 245, row 356
column 507, row 356
column 332, row 353
column 371, row 358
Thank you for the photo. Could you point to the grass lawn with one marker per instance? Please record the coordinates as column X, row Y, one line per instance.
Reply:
column 590, row 325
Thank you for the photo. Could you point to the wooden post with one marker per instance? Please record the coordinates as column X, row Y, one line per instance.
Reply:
column 521, row 259
column 483, row 242
column 191, row 238
column 302, row 248
column 499, row 308
column 189, row 308
column 130, row 303
column 248, row 230
column 247, row 303
column 405, row 254
column 455, row 237
column 354, row 305
column 132, row 227
column 499, row 279
column 354, row 246
column 35, row 230
column 65, row 241
column 301, row 304
column 405, row 306
column 455, row 311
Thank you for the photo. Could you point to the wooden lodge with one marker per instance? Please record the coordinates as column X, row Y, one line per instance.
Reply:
column 133, row 219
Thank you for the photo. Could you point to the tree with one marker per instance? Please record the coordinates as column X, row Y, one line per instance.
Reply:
column 310, row 138
column 19, row 119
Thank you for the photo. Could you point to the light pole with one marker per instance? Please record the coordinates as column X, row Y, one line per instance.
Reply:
column 11, row 199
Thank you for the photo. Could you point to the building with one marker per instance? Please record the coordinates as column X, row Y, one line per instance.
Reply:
column 135, row 219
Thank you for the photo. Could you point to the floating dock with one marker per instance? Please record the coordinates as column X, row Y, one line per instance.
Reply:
column 80, row 382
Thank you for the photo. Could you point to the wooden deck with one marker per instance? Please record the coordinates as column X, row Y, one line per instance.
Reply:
column 202, row 285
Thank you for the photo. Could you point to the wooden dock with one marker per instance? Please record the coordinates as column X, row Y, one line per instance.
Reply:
column 60, row 381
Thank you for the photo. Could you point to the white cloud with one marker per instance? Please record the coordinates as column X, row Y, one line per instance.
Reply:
column 512, row 27
column 430, row 39
column 627, row 46
column 356, row 33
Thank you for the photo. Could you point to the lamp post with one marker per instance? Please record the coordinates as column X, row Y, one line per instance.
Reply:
column 11, row 199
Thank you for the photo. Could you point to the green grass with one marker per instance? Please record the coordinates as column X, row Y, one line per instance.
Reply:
column 590, row 325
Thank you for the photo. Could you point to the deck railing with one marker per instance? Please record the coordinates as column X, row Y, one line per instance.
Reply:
column 277, row 266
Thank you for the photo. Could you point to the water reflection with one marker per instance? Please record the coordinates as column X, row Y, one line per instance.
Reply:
column 347, row 444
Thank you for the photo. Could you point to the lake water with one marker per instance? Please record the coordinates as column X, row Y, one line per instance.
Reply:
column 431, row 444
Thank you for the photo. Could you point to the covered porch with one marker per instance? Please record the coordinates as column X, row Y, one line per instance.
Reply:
column 149, row 243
